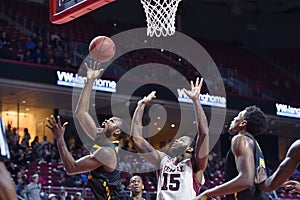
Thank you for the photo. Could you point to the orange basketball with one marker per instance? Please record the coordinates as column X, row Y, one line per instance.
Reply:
column 102, row 49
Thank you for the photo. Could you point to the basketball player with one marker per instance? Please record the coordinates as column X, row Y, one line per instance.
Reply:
column 104, row 178
column 183, row 166
column 284, row 171
column 243, row 159
column 7, row 188
column 136, row 188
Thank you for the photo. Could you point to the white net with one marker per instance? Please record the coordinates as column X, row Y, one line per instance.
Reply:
column 160, row 15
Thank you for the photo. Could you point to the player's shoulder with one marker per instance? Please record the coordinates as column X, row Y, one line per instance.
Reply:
column 104, row 151
column 241, row 141
column 296, row 145
column 294, row 149
column 241, row 138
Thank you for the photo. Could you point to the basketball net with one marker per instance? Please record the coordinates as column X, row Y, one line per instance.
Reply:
column 160, row 15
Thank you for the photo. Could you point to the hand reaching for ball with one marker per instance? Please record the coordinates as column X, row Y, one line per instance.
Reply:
column 147, row 99
column 93, row 70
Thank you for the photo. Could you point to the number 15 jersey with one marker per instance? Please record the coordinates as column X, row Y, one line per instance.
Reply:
column 176, row 180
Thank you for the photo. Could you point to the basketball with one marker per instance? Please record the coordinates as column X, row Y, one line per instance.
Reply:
column 102, row 49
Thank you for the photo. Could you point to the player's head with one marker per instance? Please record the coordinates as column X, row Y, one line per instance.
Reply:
column 182, row 145
column 136, row 185
column 114, row 128
column 251, row 120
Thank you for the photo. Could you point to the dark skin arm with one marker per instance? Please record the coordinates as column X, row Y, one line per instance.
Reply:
column 202, row 142
column 82, row 110
column 143, row 146
column 242, row 148
column 84, row 164
column 8, row 190
column 285, row 169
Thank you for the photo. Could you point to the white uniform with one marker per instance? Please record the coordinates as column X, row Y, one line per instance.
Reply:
column 175, row 181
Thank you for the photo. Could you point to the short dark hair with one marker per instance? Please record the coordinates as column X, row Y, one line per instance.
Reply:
column 257, row 122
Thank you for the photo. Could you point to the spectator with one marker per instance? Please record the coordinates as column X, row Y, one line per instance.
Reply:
column 19, row 178
column 26, row 137
column 17, row 136
column 19, row 157
column 35, row 38
column 21, row 189
column 71, row 142
column 64, row 195
column 30, row 45
column 39, row 155
column 78, row 196
column 54, row 157
column 51, row 62
column 55, row 39
column 39, row 56
column 10, row 137
column 45, row 140
column 46, row 153
column 35, row 141
column 4, row 40
column 74, row 180
column 52, row 197
column 12, row 168
column 27, row 154
column 60, row 177
column 33, row 189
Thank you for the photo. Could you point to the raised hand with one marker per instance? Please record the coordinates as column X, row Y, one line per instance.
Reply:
column 294, row 186
column 57, row 129
column 194, row 93
column 147, row 99
column 93, row 70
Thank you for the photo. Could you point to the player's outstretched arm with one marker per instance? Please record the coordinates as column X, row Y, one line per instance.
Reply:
column 285, row 169
column 142, row 145
column 82, row 110
column 242, row 150
column 202, row 141
column 82, row 165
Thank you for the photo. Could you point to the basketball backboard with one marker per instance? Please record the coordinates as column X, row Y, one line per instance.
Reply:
column 62, row 11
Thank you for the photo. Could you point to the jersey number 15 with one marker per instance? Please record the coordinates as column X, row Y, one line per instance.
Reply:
column 171, row 182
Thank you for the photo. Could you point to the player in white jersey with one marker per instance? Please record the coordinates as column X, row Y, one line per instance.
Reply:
column 182, row 168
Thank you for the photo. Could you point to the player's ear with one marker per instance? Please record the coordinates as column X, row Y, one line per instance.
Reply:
column 190, row 150
column 142, row 186
column 243, row 123
column 117, row 133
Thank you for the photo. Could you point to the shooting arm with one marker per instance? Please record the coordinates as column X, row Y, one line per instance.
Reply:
column 202, row 142
column 82, row 110
column 142, row 145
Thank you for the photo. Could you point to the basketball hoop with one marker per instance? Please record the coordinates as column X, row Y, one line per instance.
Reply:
column 160, row 15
